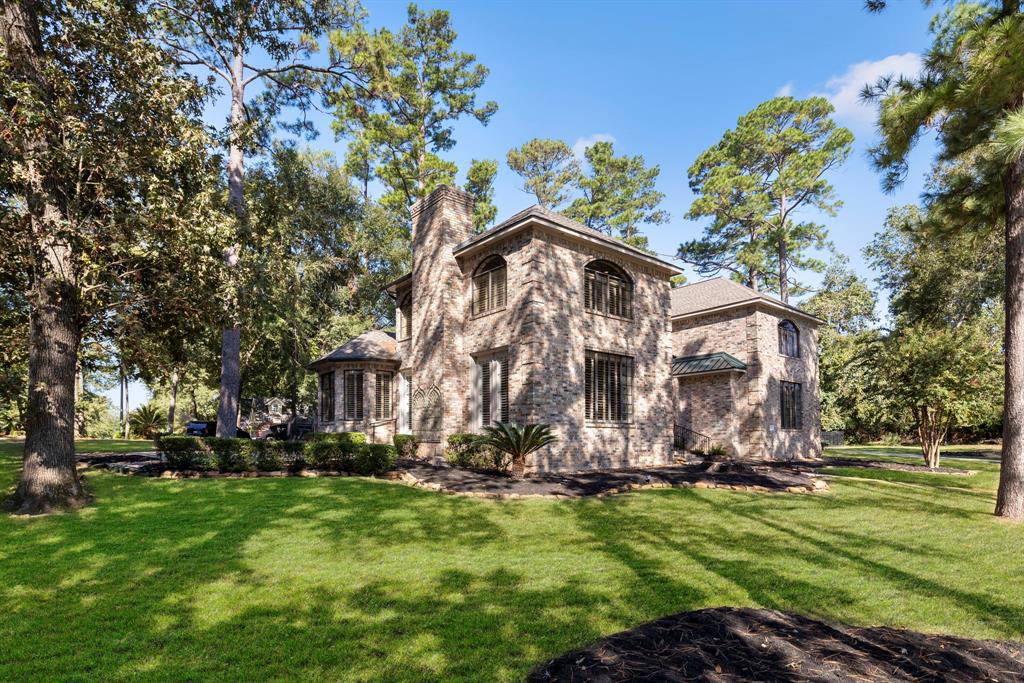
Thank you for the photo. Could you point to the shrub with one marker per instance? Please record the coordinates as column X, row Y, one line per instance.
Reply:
column 265, row 456
column 375, row 458
column 717, row 451
column 231, row 455
column 185, row 453
column 468, row 450
column 406, row 445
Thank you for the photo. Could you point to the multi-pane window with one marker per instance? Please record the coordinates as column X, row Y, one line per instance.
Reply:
column 607, row 290
column 608, row 387
column 405, row 317
column 382, row 397
column 791, row 403
column 353, row 394
column 489, row 282
column 492, row 389
column 789, row 339
column 327, row 396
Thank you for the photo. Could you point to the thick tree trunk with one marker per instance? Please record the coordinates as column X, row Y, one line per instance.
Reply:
column 231, row 337
column 49, row 479
column 173, row 404
column 1010, row 499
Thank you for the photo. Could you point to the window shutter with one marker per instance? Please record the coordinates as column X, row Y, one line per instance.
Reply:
column 382, row 397
column 588, row 293
column 485, row 392
column 498, row 281
column 503, row 361
column 608, row 386
column 353, row 390
column 588, row 382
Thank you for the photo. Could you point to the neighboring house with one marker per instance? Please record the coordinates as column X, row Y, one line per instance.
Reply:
column 544, row 320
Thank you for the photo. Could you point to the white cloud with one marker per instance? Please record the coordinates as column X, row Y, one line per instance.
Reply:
column 785, row 91
column 581, row 144
column 844, row 91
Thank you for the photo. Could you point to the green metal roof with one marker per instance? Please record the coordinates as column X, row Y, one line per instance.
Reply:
column 709, row 362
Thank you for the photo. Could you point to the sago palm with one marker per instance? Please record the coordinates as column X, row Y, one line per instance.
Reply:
column 146, row 421
column 518, row 442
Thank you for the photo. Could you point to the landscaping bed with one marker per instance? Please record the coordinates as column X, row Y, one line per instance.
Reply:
column 601, row 482
column 729, row 644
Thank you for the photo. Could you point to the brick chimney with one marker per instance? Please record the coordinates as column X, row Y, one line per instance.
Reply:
column 440, row 221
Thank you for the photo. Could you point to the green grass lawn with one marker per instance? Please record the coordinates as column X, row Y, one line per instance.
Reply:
column 357, row 579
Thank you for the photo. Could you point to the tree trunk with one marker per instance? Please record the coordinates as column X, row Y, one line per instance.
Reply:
column 231, row 337
column 80, row 427
column 518, row 469
column 783, row 263
column 49, row 479
column 173, row 402
column 1010, row 498
column 120, row 398
column 126, row 428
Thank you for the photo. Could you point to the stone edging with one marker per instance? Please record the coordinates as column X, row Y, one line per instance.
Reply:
column 407, row 478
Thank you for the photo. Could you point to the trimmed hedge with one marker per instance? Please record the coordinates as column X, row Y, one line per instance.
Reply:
column 186, row 453
column 406, row 445
column 344, row 452
column 465, row 450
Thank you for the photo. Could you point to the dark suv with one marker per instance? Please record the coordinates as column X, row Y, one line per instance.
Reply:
column 209, row 428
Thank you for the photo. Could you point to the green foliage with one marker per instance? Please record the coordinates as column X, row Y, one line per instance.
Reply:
column 406, row 445
column 717, row 450
column 755, row 181
column 374, row 458
column 186, row 453
column 547, row 168
column 618, row 195
column 471, row 451
column 518, row 442
column 335, row 451
column 937, row 281
column 230, row 455
column 844, row 300
column 271, row 456
column 935, row 378
column 480, row 184
column 425, row 86
column 146, row 421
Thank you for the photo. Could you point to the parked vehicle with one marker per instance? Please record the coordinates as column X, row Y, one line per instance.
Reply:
column 209, row 428
column 279, row 431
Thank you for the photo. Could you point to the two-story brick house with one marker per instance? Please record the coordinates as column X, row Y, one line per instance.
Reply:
column 543, row 320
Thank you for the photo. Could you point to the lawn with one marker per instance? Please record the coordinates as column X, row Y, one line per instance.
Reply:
column 357, row 579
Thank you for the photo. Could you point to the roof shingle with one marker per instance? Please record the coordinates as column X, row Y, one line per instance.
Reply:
column 371, row 345
column 718, row 292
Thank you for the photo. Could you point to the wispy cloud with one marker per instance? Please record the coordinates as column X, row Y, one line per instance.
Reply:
column 581, row 144
column 844, row 90
column 785, row 91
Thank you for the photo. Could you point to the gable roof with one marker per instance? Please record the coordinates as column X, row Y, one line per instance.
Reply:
column 720, row 293
column 708, row 362
column 371, row 345
column 537, row 214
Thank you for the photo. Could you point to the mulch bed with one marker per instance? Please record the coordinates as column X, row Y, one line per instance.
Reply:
column 601, row 482
column 448, row 479
column 729, row 644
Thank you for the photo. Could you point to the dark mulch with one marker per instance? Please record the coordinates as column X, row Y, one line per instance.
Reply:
column 730, row 644
column 580, row 484
column 143, row 464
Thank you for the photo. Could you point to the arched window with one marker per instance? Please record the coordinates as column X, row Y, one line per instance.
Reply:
column 489, row 285
column 405, row 317
column 607, row 289
column 789, row 339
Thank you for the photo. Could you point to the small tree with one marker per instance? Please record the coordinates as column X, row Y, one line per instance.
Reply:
column 518, row 442
column 940, row 378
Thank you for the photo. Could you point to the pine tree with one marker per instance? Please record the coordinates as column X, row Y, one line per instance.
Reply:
column 548, row 170
column 480, row 184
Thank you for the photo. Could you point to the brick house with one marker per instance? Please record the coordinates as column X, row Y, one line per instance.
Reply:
column 543, row 320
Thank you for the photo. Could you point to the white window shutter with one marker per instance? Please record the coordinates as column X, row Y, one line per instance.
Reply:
column 475, row 416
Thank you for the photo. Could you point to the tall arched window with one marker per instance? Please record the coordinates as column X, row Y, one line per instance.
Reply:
column 789, row 339
column 607, row 289
column 489, row 285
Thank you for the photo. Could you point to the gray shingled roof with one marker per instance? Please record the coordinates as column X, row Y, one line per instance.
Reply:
column 372, row 345
column 718, row 292
column 708, row 362
column 538, row 211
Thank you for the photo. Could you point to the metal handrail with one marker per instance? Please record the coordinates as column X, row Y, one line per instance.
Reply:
column 688, row 440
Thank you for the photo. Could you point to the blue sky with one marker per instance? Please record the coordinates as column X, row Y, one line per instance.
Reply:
column 665, row 80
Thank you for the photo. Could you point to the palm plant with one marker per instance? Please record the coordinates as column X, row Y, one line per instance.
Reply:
column 146, row 421
column 518, row 442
